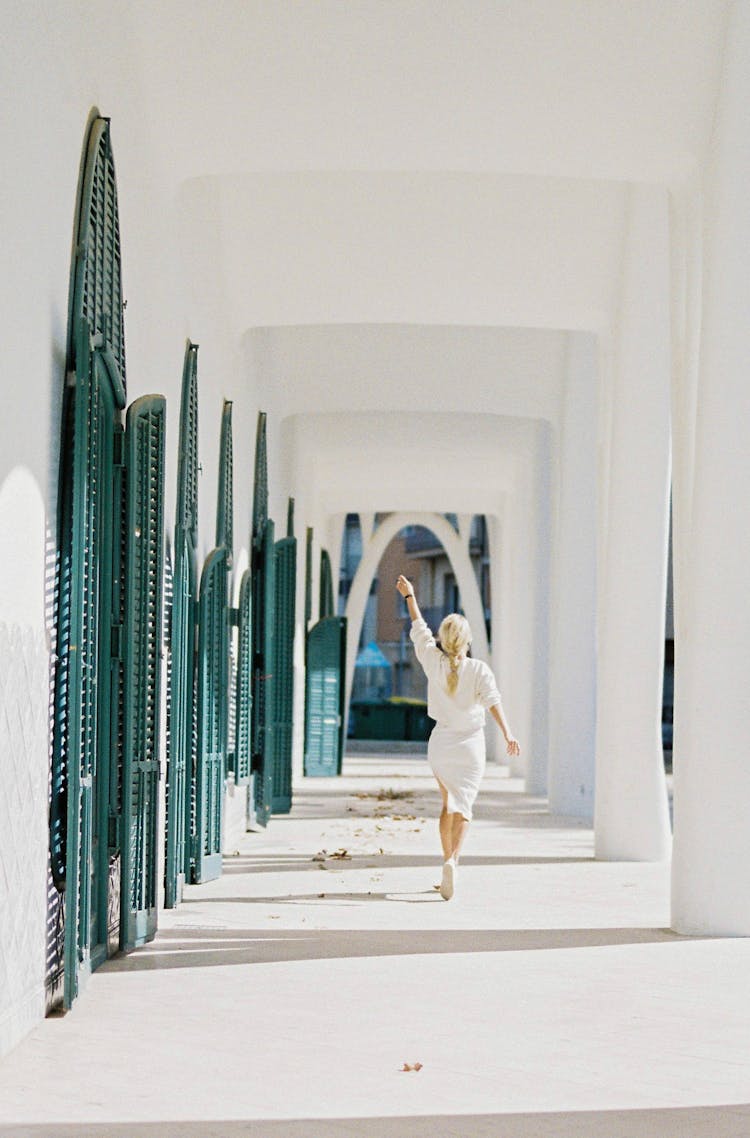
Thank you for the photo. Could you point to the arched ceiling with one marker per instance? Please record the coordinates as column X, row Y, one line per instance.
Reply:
column 417, row 162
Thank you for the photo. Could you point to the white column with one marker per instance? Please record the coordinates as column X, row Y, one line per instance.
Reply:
column 631, row 816
column 538, row 521
column 711, row 868
column 503, row 657
column 572, row 714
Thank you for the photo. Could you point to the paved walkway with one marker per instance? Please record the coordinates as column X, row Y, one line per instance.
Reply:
column 282, row 1001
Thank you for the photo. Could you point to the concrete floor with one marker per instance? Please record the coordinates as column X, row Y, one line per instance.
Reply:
column 547, row 999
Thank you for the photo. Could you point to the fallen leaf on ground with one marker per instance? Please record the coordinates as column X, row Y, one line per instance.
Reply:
column 412, row 1067
column 320, row 856
column 341, row 855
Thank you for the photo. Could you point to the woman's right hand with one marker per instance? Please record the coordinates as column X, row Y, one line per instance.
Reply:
column 404, row 586
column 513, row 746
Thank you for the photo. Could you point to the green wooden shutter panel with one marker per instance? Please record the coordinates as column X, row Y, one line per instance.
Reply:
column 64, row 638
column 324, row 697
column 263, row 598
column 187, row 458
column 243, row 737
column 183, row 722
column 213, row 684
column 145, row 555
column 286, row 589
column 87, row 688
column 225, row 504
column 264, row 633
column 97, row 287
column 260, row 482
column 87, row 719
column 308, row 576
column 326, row 585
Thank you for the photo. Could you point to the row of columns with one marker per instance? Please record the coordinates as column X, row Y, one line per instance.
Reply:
column 594, row 735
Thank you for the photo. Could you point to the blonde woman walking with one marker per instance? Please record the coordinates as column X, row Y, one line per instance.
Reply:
column 459, row 691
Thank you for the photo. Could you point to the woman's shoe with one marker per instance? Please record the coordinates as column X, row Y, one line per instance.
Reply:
column 448, row 883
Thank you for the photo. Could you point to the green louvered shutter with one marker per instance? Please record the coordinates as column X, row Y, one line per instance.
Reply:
column 308, row 576
column 76, row 657
column 285, row 589
column 262, row 560
column 86, row 735
column 244, row 698
column 260, row 480
column 225, row 503
column 180, row 793
column 213, row 692
column 144, row 477
column 324, row 697
column 326, row 586
column 96, row 274
column 264, row 710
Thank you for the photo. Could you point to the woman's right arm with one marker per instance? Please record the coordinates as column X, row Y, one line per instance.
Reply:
column 421, row 637
column 406, row 589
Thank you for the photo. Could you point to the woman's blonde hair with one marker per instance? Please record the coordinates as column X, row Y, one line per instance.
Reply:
column 454, row 635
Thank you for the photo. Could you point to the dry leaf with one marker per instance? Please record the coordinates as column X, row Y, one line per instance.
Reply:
column 320, row 856
column 412, row 1067
column 341, row 855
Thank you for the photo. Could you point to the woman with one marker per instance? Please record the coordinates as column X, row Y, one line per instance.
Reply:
column 459, row 690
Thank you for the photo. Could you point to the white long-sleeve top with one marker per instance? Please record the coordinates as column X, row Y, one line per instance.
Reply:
column 476, row 690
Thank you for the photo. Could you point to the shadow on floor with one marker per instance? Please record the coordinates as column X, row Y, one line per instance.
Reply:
column 296, row 863
column 212, row 948
column 731, row 1121
column 504, row 807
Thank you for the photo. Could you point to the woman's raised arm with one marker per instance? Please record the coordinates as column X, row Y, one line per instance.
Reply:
column 406, row 589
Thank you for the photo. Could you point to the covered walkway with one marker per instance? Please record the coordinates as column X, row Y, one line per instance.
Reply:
column 285, row 998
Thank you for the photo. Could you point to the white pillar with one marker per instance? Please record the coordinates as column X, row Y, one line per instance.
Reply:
column 538, row 520
column 572, row 715
column 503, row 658
column 631, row 816
column 711, row 869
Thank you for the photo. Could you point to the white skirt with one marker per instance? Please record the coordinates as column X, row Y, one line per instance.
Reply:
column 458, row 760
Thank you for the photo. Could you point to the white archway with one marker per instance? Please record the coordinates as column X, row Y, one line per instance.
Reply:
column 456, row 546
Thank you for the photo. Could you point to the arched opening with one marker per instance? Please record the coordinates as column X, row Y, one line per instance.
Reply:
column 388, row 691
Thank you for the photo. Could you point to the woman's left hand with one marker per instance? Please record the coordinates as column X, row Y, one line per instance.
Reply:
column 513, row 746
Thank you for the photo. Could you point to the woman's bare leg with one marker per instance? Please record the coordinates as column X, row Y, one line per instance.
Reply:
column 446, row 824
column 459, row 827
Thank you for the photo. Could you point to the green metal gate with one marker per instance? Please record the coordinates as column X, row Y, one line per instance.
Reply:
column 144, row 470
column 324, row 697
column 285, row 570
column 183, row 721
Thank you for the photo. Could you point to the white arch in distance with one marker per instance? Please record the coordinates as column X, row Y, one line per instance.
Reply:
column 456, row 546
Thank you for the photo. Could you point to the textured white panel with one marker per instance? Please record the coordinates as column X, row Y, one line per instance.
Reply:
column 24, row 701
